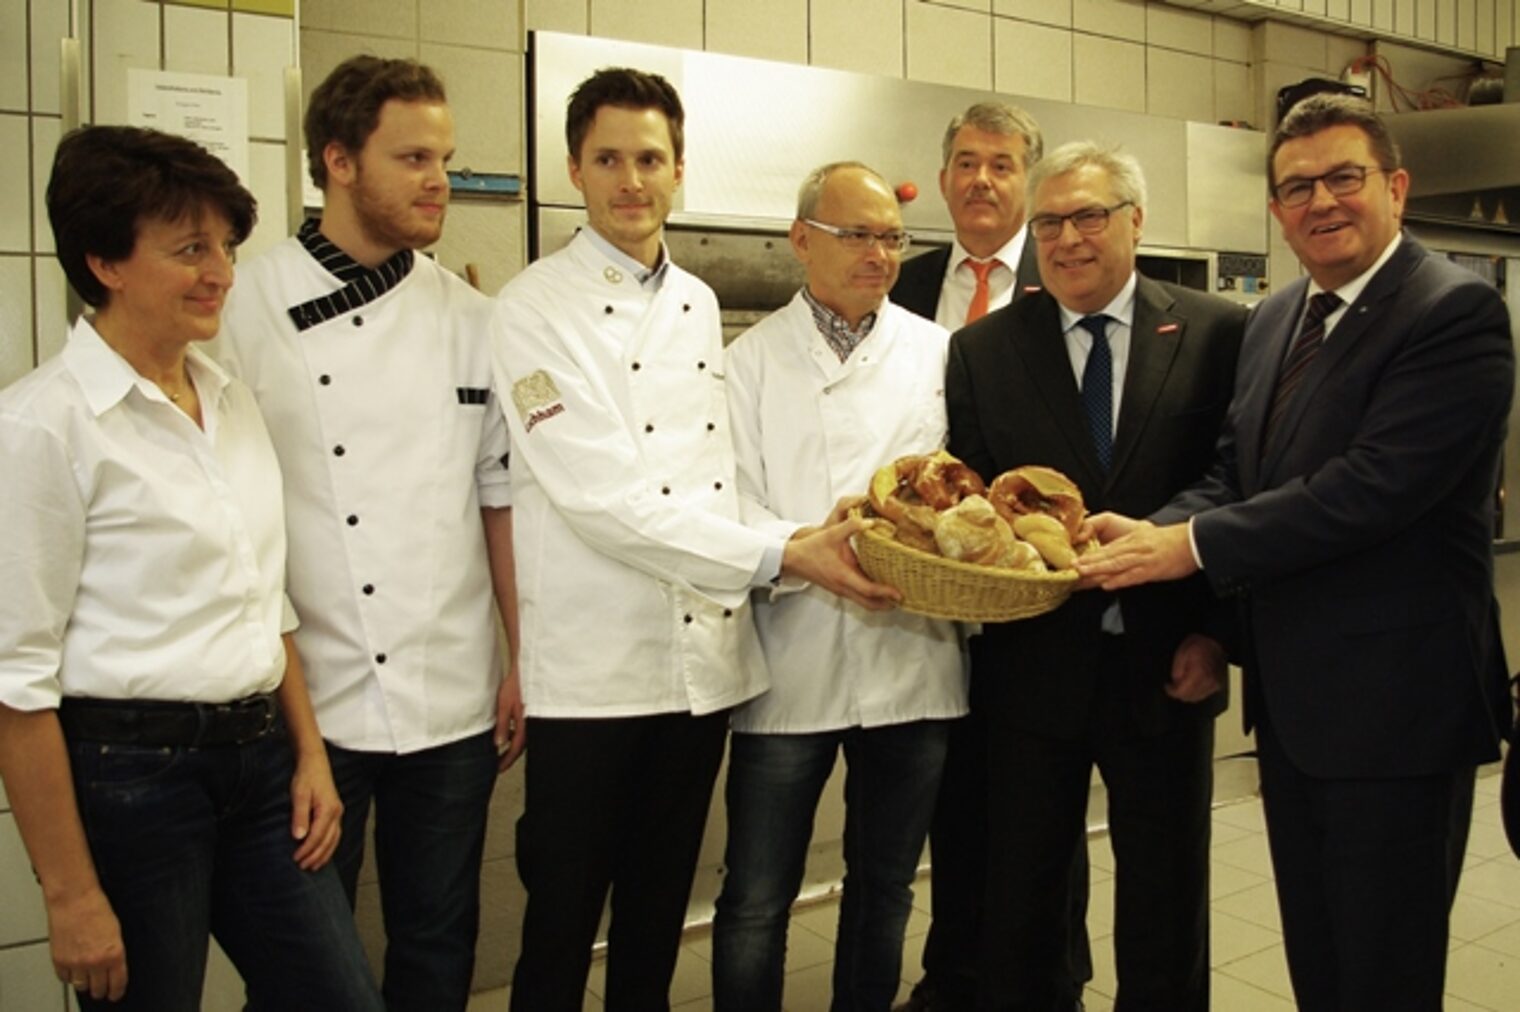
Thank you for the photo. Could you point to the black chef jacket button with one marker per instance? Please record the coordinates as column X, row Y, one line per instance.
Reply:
column 688, row 620
column 718, row 485
column 635, row 367
column 686, row 307
column 338, row 450
column 648, row 427
column 353, row 520
column 324, row 379
column 701, row 365
column 379, row 658
column 711, row 426
column 368, row 588
column 728, row 613
column 665, row 490
column 358, row 321
column 608, row 310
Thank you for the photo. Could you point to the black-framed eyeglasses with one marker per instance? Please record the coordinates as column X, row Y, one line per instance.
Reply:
column 1341, row 182
column 1089, row 221
column 859, row 238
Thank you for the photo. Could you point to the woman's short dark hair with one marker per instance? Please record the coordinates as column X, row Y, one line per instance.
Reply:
column 624, row 88
column 346, row 106
column 107, row 180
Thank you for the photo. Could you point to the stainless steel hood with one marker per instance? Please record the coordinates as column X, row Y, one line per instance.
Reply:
column 1464, row 164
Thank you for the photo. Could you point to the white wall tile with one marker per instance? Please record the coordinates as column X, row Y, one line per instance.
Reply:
column 1032, row 60
column 1446, row 21
column 1286, row 43
column 15, row 205
column 486, row 98
column 980, row 6
column 1340, row 50
column 1361, row 13
column 1425, row 19
column 1049, row 12
column 859, row 35
column 1338, row 10
column 1485, row 28
column 22, row 916
column 13, row 43
column 662, row 22
column 27, row 983
column 1319, row 7
column 395, row 18
column 266, row 169
column 949, row 46
column 1232, row 40
column 1467, row 24
column 1171, row 28
column 775, row 30
column 1180, row 85
column 1405, row 17
column 50, row 24
column 492, row 24
column 126, row 35
column 52, row 323
column 487, row 234
column 196, row 41
column 45, row 134
column 262, row 47
column 1382, row 15
column 1121, row 19
column 1108, row 72
column 557, row 16
column 1232, row 92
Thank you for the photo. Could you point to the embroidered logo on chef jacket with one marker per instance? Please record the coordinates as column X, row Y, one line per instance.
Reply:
column 537, row 399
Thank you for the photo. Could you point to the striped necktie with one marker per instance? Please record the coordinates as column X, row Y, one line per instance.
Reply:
column 1311, row 337
column 1098, row 388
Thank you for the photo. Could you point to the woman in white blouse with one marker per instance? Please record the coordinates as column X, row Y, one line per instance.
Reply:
column 156, row 739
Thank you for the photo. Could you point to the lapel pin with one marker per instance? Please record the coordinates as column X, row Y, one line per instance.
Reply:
column 1166, row 328
column 1031, row 289
column 614, row 275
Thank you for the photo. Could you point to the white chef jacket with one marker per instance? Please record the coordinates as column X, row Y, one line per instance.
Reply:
column 809, row 429
column 391, row 443
column 141, row 557
column 633, row 569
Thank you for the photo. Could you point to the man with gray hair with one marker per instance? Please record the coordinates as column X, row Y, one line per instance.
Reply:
column 1121, row 383
column 820, row 393
column 988, row 149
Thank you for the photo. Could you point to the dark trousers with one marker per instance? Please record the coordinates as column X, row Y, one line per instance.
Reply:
column 1366, row 872
column 191, row 842
column 1159, row 790
column 615, row 805
column 430, row 831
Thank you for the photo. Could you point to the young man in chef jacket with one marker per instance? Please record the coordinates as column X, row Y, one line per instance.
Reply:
column 634, row 567
column 372, row 367
column 821, row 393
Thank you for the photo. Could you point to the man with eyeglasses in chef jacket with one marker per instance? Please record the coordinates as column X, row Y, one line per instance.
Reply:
column 821, row 393
column 1120, row 383
column 634, row 567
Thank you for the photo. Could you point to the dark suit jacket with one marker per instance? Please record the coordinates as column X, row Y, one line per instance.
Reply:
column 1013, row 400
column 1362, row 542
column 919, row 283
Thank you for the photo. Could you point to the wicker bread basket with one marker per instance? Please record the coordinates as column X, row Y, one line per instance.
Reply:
column 945, row 588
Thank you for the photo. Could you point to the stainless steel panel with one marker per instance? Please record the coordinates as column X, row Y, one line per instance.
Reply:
column 755, row 128
column 1226, row 189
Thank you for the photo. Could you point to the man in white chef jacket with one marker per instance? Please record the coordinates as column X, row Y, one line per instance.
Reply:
column 634, row 567
column 821, row 393
column 371, row 365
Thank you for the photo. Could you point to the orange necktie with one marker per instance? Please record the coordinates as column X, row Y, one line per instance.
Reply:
column 979, row 298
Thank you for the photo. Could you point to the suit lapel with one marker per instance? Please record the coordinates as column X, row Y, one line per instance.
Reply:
column 1039, row 351
column 1026, row 280
column 1153, row 341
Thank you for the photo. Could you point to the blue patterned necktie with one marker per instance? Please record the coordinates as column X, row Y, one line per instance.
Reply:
column 1098, row 388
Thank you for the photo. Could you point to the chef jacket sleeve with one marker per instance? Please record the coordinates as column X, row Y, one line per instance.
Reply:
column 42, row 540
column 493, row 477
column 579, row 451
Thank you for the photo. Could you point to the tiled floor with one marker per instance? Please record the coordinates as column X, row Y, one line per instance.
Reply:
column 1249, row 972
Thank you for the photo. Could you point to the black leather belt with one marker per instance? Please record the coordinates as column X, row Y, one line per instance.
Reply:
column 151, row 722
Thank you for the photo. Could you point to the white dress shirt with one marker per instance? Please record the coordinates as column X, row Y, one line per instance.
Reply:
column 142, row 557
column 960, row 283
column 391, row 443
column 809, row 429
column 633, row 568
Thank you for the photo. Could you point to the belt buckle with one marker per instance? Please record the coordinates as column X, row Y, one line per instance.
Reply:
column 265, row 702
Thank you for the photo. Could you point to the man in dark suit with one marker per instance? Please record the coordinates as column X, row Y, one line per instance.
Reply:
column 988, row 150
column 1350, row 510
column 1121, row 383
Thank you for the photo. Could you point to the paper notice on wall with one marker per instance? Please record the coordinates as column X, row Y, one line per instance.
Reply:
column 210, row 110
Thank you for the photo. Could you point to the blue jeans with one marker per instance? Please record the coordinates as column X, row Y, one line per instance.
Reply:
column 195, row 841
column 430, row 832
column 774, row 782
